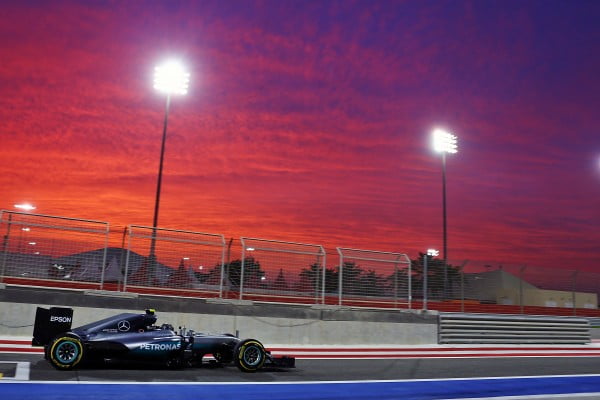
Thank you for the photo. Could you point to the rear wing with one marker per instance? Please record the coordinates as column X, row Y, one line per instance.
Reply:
column 49, row 323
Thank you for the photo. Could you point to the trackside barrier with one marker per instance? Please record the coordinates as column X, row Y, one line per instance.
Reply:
column 280, row 271
column 504, row 329
column 174, row 259
column 52, row 251
column 372, row 278
column 42, row 248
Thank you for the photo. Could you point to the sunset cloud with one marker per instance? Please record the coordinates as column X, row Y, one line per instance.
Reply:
column 310, row 121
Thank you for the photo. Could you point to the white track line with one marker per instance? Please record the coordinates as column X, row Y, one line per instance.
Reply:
column 21, row 373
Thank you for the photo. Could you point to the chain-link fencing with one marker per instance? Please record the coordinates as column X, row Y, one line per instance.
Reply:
column 172, row 260
column 44, row 250
column 43, row 247
column 373, row 278
column 279, row 271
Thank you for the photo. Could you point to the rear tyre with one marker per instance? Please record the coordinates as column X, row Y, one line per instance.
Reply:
column 249, row 355
column 65, row 352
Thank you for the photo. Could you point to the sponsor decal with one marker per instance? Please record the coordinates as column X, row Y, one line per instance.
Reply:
column 160, row 346
column 123, row 326
column 56, row 318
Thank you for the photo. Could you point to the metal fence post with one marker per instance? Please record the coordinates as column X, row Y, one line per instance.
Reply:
column 122, row 264
column 323, row 275
column 409, row 273
column 425, row 256
column 316, row 283
column 104, row 256
column 5, row 243
column 222, row 277
column 242, row 265
column 340, row 273
column 127, row 258
column 396, row 285
column 226, row 270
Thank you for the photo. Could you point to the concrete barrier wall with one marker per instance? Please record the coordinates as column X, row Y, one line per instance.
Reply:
column 271, row 323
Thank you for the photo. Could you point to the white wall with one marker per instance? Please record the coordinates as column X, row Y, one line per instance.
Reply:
column 16, row 319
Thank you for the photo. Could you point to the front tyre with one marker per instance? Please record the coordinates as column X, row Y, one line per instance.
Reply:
column 249, row 355
column 65, row 352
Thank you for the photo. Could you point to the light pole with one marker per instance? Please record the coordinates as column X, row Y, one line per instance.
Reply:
column 444, row 142
column 169, row 78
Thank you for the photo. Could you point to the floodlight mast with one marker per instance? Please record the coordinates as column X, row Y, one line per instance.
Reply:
column 444, row 142
column 169, row 78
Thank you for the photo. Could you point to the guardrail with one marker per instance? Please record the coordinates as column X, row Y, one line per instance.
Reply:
column 506, row 329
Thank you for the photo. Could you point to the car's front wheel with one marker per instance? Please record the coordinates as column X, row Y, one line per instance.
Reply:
column 65, row 352
column 250, row 355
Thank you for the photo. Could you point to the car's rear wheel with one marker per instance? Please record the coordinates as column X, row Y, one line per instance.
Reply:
column 250, row 355
column 65, row 352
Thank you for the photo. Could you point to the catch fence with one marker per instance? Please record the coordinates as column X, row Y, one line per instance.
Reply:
column 43, row 250
column 374, row 278
column 44, row 247
column 280, row 271
column 172, row 259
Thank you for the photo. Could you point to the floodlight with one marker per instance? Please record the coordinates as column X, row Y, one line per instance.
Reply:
column 171, row 78
column 444, row 142
column 25, row 207
column 433, row 252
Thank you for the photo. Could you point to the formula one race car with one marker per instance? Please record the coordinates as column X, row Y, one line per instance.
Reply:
column 135, row 337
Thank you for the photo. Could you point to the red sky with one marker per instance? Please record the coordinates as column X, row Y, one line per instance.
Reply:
column 310, row 121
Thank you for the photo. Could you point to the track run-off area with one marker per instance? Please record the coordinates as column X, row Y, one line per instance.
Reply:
column 403, row 372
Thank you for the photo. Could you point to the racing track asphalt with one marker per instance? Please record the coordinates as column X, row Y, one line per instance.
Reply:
column 324, row 370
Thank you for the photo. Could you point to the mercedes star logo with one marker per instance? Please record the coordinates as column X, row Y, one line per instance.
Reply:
column 123, row 326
